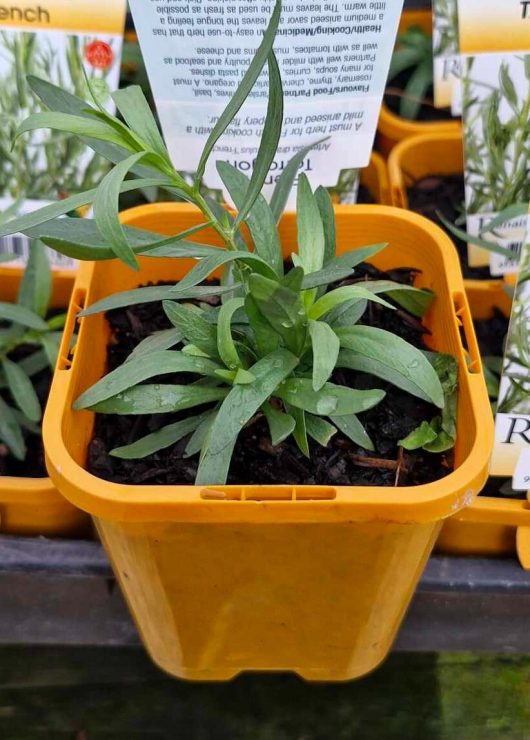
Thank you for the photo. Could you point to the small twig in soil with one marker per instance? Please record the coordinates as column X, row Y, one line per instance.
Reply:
column 373, row 462
column 400, row 465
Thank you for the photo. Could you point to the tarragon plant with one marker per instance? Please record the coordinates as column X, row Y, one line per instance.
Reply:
column 273, row 344
column 413, row 54
column 24, row 324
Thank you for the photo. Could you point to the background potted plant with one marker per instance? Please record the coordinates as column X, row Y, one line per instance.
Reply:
column 407, row 109
column 236, row 560
column 32, row 305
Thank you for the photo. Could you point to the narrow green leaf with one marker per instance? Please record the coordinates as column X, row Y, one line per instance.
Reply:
column 260, row 219
column 143, row 368
column 159, row 440
column 319, row 429
column 159, row 399
column 50, row 343
column 225, row 342
column 28, row 221
column 346, row 314
column 280, row 425
column 341, row 295
column 31, row 365
column 243, row 90
column 311, row 241
column 340, row 267
column 269, row 140
column 159, row 340
column 10, row 431
column 484, row 243
column 240, row 405
column 300, row 429
column 195, row 328
column 416, row 301
column 198, row 437
column 21, row 315
column 282, row 308
column 151, row 294
column 60, row 101
column 265, row 337
column 352, row 428
column 106, row 210
column 330, row 400
column 21, row 389
column 88, row 127
column 327, row 214
column 387, row 356
column 326, row 346
column 419, row 437
column 222, row 257
column 36, row 284
column 517, row 210
column 286, row 180
column 134, row 108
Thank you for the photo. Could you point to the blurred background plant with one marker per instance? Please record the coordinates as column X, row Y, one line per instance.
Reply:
column 413, row 56
column 49, row 165
column 445, row 34
column 497, row 143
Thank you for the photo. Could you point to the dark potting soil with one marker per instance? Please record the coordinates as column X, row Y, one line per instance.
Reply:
column 395, row 91
column 491, row 334
column 364, row 195
column 255, row 461
column 33, row 466
column 444, row 194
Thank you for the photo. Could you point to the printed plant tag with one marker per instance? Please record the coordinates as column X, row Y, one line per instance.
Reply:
column 511, row 453
column 60, row 42
column 333, row 57
column 446, row 55
column 495, row 44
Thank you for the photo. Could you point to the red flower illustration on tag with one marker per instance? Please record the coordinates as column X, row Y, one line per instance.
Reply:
column 99, row 54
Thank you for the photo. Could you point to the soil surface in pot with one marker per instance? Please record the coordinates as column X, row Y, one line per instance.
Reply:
column 33, row 466
column 444, row 194
column 255, row 461
column 395, row 91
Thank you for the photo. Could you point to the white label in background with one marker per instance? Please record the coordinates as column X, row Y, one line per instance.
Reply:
column 511, row 451
column 18, row 245
column 510, row 235
column 446, row 55
column 333, row 56
column 59, row 42
column 495, row 88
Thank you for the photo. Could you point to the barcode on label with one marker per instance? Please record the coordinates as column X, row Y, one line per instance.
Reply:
column 19, row 246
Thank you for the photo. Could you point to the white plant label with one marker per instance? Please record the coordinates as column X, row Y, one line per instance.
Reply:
column 334, row 58
column 446, row 72
column 511, row 452
column 494, row 42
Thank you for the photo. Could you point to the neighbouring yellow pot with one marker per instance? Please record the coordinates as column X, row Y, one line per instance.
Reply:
column 311, row 579
column 375, row 178
column 392, row 128
column 33, row 506
column 417, row 157
column 490, row 526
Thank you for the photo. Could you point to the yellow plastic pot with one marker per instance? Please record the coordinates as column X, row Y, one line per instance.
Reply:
column 33, row 506
column 392, row 128
column 490, row 526
column 375, row 178
column 417, row 157
column 311, row 579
